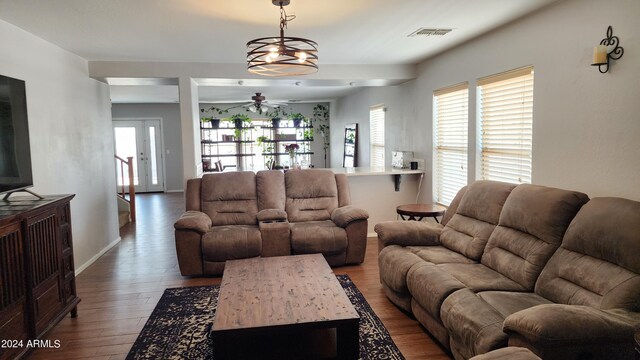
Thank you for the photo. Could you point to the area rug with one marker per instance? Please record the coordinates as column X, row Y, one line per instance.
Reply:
column 179, row 326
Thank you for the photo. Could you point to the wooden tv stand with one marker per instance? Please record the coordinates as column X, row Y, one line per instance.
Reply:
column 37, row 278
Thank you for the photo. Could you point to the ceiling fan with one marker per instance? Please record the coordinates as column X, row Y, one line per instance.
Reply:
column 259, row 103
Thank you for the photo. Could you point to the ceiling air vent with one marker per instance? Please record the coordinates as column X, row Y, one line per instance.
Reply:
column 429, row 32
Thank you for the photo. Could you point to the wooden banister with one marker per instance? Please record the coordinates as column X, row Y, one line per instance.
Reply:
column 132, row 190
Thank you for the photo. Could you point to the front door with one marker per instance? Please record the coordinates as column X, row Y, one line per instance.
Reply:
column 140, row 139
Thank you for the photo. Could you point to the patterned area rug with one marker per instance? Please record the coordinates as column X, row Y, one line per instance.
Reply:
column 179, row 326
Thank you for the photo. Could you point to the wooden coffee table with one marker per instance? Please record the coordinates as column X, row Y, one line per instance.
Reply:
column 282, row 295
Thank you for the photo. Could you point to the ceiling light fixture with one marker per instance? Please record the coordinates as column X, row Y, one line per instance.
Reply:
column 282, row 56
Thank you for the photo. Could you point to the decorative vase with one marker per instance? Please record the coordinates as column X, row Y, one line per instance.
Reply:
column 275, row 122
column 238, row 123
column 215, row 123
column 293, row 162
column 297, row 122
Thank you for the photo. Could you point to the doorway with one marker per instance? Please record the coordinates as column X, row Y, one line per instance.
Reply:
column 142, row 140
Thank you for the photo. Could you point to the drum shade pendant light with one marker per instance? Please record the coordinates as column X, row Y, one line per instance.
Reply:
column 282, row 56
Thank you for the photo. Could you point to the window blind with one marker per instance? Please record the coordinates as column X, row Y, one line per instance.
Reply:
column 450, row 139
column 376, row 125
column 506, row 122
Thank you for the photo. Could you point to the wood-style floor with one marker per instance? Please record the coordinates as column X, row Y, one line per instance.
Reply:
column 120, row 290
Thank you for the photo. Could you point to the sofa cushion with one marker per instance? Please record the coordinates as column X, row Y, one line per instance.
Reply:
column 598, row 263
column 474, row 321
column 394, row 262
column 193, row 220
column 478, row 277
column 344, row 196
column 311, row 195
column 453, row 206
column 192, row 195
column 474, row 326
column 532, row 223
column 430, row 284
column 439, row 255
column 509, row 302
column 230, row 242
column 477, row 215
column 270, row 189
column 230, row 198
column 312, row 237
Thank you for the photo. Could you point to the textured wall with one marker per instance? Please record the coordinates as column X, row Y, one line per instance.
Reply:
column 70, row 131
column 586, row 132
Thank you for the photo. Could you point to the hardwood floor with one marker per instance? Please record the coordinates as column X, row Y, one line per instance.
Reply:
column 120, row 290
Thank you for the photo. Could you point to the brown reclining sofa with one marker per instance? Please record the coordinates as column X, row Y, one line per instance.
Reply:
column 529, row 266
column 240, row 215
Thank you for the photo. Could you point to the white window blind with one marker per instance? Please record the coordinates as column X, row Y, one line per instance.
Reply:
column 376, row 124
column 506, row 120
column 450, row 139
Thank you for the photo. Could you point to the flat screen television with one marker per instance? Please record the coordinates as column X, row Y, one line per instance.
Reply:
column 15, row 153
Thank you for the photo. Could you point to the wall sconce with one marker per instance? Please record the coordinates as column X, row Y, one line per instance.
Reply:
column 609, row 48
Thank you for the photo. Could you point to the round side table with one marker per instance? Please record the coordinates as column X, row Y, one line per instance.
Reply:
column 419, row 211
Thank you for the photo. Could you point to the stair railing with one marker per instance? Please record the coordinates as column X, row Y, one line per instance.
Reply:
column 132, row 191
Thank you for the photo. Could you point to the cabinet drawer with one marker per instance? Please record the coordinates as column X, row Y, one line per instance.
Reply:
column 47, row 302
column 13, row 327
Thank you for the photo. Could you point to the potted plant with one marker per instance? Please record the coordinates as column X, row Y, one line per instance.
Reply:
column 215, row 121
column 276, row 115
column 267, row 148
column 206, row 122
column 240, row 123
column 239, row 120
column 321, row 119
column 297, row 119
column 261, row 139
column 308, row 134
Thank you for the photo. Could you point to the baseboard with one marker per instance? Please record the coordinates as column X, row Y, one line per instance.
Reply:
column 97, row 256
column 173, row 191
column 373, row 234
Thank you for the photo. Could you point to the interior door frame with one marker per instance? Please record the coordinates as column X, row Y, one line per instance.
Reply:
column 162, row 148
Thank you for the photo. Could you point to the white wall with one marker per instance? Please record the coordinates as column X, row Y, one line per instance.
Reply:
column 586, row 132
column 70, row 135
column 403, row 132
column 171, row 128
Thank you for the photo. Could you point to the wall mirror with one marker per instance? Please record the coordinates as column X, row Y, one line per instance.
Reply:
column 350, row 146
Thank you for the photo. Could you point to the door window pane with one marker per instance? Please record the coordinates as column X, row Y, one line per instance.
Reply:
column 125, row 138
column 152, row 155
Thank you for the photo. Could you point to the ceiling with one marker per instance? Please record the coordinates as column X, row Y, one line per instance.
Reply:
column 212, row 31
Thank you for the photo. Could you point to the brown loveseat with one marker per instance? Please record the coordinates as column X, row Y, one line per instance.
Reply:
column 530, row 266
column 239, row 215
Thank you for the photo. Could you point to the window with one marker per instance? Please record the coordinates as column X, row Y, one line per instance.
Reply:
column 505, row 103
column 376, row 125
column 450, row 128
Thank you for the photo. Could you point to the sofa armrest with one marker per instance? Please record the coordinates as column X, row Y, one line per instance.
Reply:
column 408, row 233
column 193, row 220
column 345, row 215
column 553, row 325
column 271, row 215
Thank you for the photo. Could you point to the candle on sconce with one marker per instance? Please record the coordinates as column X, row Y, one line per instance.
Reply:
column 600, row 54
